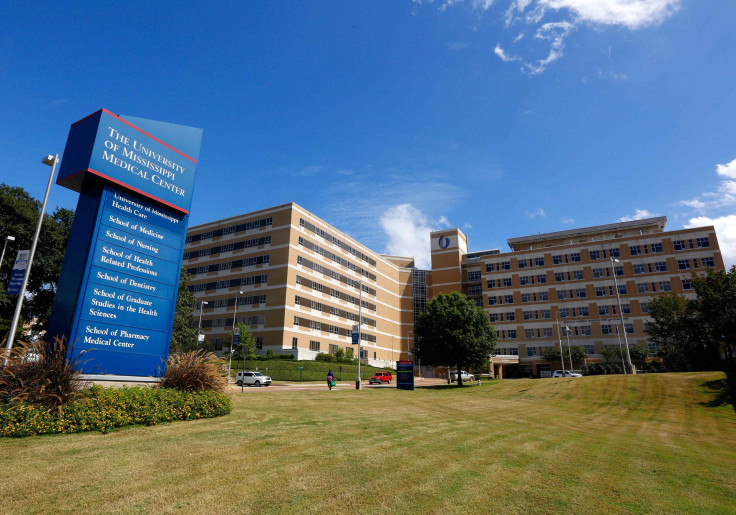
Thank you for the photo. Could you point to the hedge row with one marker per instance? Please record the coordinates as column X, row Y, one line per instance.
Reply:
column 102, row 409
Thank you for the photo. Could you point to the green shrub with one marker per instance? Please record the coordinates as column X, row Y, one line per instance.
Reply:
column 194, row 371
column 40, row 373
column 323, row 356
column 102, row 409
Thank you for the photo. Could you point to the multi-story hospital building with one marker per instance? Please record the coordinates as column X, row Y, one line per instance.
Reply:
column 301, row 284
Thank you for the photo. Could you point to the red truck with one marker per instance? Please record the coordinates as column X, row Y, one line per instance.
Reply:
column 380, row 378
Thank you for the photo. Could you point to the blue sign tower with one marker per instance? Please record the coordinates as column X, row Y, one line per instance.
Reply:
column 118, row 286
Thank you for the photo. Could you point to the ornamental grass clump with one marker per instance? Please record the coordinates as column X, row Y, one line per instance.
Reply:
column 40, row 373
column 194, row 371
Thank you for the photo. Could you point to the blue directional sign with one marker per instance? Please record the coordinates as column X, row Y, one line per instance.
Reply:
column 404, row 375
column 355, row 334
column 117, row 292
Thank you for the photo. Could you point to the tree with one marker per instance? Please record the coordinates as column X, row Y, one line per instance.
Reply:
column 639, row 354
column 674, row 330
column 551, row 354
column 716, row 308
column 578, row 355
column 18, row 217
column 184, row 332
column 454, row 330
column 613, row 354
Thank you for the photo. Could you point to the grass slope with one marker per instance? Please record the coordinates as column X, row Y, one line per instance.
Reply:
column 664, row 443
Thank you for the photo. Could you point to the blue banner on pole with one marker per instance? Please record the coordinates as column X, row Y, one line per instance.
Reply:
column 19, row 272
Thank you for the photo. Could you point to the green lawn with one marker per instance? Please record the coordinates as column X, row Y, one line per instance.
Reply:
column 662, row 443
column 286, row 370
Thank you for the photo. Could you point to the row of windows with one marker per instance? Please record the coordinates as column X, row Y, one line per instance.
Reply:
column 336, row 258
column 634, row 250
column 230, row 283
column 242, row 301
column 583, row 311
column 332, row 310
column 226, row 322
column 706, row 262
column 227, row 265
column 335, row 241
column 589, row 349
column 509, row 316
column 308, row 283
column 329, row 328
column 540, row 332
column 228, row 247
column 332, row 274
column 537, row 315
column 247, row 226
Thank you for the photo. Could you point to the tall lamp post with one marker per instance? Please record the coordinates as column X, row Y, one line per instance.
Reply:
column 199, row 327
column 232, row 338
column 2, row 256
column 562, row 349
column 50, row 161
column 620, row 312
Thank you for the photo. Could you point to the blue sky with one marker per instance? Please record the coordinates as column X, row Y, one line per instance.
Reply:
column 391, row 118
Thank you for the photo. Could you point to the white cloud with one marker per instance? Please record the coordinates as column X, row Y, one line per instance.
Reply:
column 727, row 170
column 500, row 53
column 726, row 232
column 639, row 214
column 567, row 221
column 538, row 212
column 629, row 14
column 724, row 197
column 408, row 231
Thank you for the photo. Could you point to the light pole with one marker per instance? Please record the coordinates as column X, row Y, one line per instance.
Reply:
column 621, row 350
column 232, row 338
column 620, row 312
column 2, row 256
column 562, row 349
column 199, row 328
column 358, row 384
column 569, row 351
column 50, row 161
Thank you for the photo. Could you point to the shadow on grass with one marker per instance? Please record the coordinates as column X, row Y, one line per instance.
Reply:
column 724, row 390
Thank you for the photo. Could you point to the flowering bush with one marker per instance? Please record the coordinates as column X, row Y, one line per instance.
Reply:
column 194, row 371
column 102, row 409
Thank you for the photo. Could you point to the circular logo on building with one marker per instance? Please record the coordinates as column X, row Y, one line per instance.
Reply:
column 444, row 242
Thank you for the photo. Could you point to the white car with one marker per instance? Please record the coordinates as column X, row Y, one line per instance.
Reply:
column 463, row 375
column 565, row 373
column 252, row 379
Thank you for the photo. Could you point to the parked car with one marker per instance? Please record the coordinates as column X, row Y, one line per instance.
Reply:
column 463, row 375
column 252, row 379
column 380, row 378
column 565, row 373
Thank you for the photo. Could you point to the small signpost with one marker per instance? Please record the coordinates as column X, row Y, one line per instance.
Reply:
column 404, row 375
column 300, row 373
column 355, row 334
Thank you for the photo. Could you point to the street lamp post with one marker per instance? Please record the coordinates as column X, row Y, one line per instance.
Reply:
column 620, row 312
column 232, row 338
column 199, row 327
column 562, row 349
column 569, row 351
column 2, row 256
column 50, row 161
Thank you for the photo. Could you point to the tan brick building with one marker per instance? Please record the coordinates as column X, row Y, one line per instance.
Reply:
column 299, row 283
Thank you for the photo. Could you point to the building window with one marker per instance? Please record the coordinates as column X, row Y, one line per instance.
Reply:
column 507, row 282
column 635, row 250
column 475, row 289
column 686, row 284
column 708, row 262
column 618, row 270
column 580, row 293
column 597, row 273
column 217, row 343
column 657, row 248
column 526, row 297
column 575, row 258
column 508, row 299
column 524, row 280
column 622, row 289
column 642, row 287
column 557, row 260
column 595, row 254
column 644, row 307
column 510, row 316
column 522, row 263
column 491, row 283
column 529, row 333
column 640, row 269
column 589, row 349
column 294, row 343
column 259, row 342
column 539, row 261
column 665, row 286
column 531, row 351
column 491, row 300
column 493, row 317
column 679, row 245
column 585, row 330
column 600, row 291
column 528, row 315
column 661, row 266
column 333, row 349
column 561, row 294
column 703, row 242
column 616, row 253
column 629, row 328
column 511, row 334
column 653, row 348
column 506, row 265
column 314, row 345
column 474, row 275
column 683, row 264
